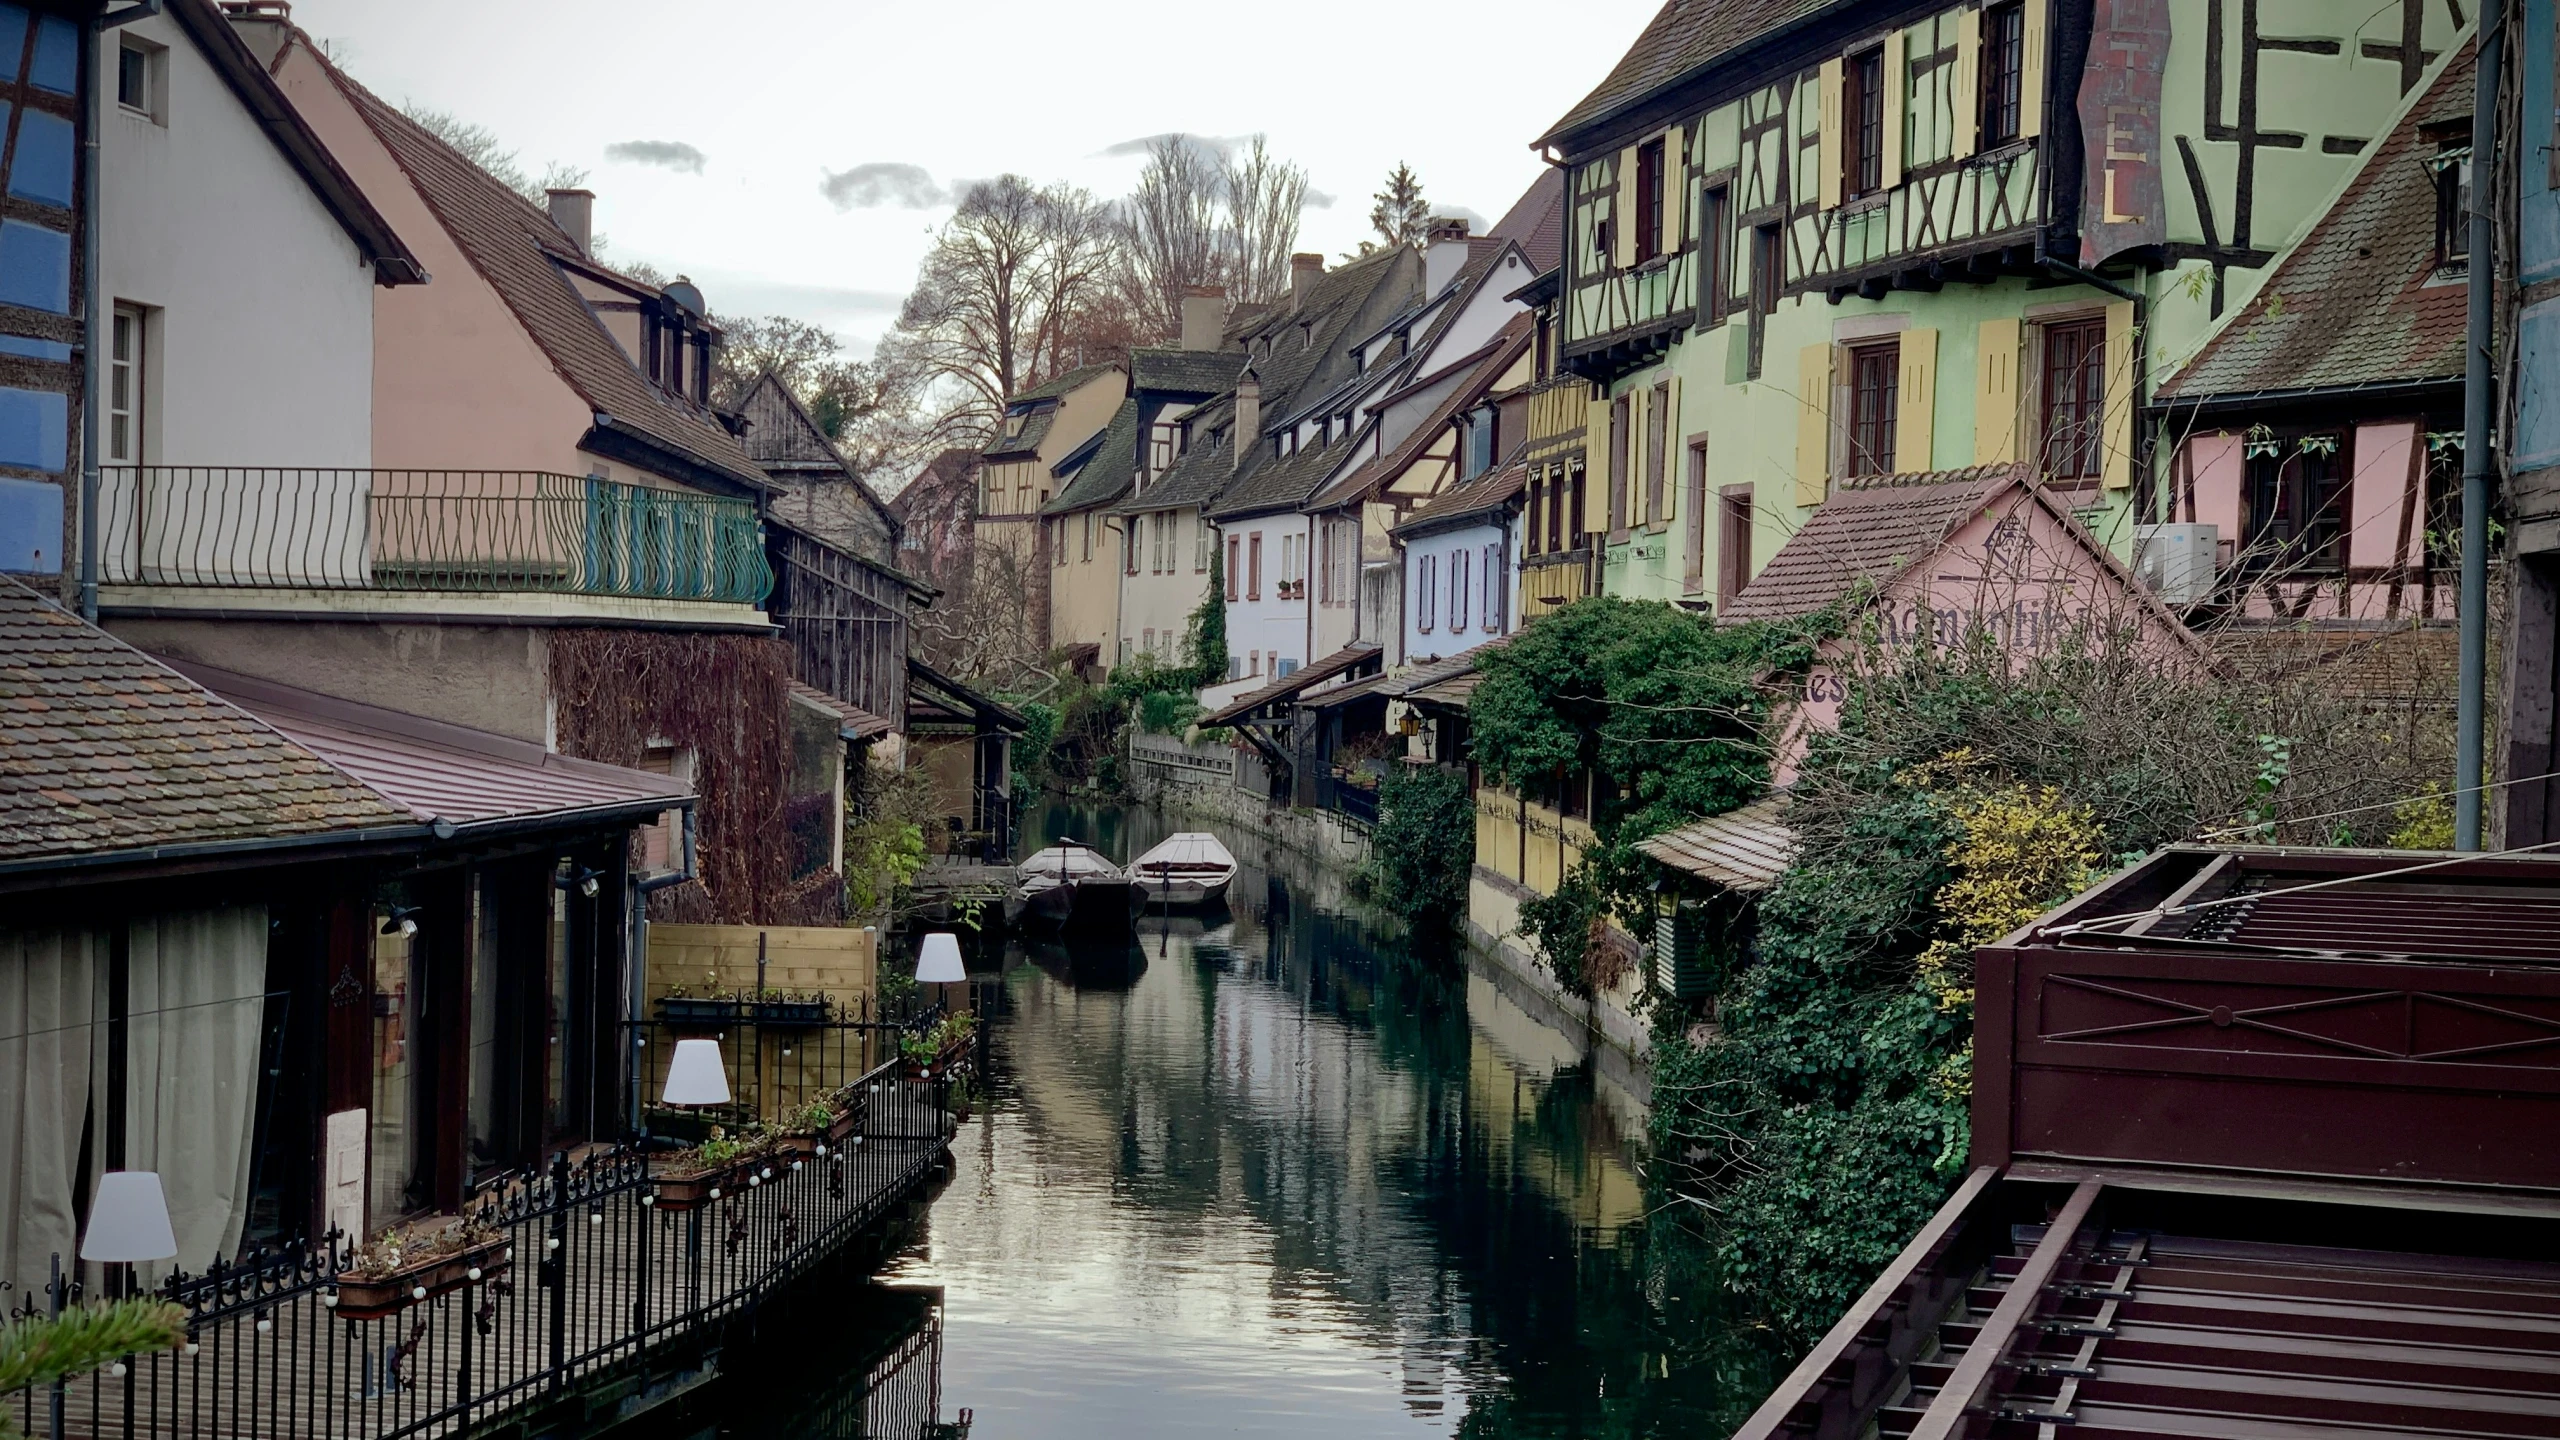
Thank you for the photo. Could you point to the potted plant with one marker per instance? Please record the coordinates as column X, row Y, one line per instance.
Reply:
column 688, row 1178
column 400, row 1269
column 781, row 1009
column 820, row 1123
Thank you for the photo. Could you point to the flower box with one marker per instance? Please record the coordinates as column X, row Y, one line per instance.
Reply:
column 804, row 1014
column 690, row 1189
column 676, row 1010
column 372, row 1297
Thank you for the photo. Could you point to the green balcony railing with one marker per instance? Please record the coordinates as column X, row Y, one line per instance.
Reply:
column 519, row 531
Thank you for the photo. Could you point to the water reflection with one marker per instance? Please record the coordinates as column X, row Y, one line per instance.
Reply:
column 1266, row 1172
column 839, row 1361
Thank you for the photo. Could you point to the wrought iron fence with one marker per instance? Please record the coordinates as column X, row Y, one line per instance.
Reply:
column 465, row 530
column 1347, row 799
column 571, row 1276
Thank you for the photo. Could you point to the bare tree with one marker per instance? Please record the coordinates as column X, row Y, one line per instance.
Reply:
column 1266, row 198
column 1169, row 231
column 481, row 146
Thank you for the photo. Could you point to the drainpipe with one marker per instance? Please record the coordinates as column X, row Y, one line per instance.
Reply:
column 635, row 931
column 93, row 330
column 2477, row 380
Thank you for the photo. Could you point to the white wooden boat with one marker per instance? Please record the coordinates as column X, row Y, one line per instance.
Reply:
column 1187, row 871
column 1071, row 882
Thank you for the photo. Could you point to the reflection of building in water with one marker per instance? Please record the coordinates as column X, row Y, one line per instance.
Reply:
column 881, row 1382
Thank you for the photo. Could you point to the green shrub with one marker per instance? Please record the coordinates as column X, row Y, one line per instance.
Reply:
column 1424, row 844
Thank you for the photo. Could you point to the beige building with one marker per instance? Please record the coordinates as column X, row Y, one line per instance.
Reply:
column 1017, row 477
column 1090, row 548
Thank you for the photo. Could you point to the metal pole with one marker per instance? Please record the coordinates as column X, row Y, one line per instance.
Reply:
column 93, row 327
column 2477, row 412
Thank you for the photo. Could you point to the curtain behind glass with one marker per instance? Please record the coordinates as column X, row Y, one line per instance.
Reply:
column 48, row 1000
column 196, row 1016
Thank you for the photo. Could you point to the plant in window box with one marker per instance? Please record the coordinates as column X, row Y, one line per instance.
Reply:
column 721, row 1162
column 810, row 1129
column 400, row 1268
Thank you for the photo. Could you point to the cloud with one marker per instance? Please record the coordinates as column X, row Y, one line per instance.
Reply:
column 1219, row 147
column 882, row 184
column 673, row 154
column 1320, row 200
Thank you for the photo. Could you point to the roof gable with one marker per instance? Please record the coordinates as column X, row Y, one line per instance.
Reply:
column 1686, row 36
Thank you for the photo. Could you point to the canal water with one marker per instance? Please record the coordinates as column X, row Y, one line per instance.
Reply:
column 1279, row 1172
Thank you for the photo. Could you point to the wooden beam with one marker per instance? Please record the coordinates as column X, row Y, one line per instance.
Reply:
column 1972, row 1376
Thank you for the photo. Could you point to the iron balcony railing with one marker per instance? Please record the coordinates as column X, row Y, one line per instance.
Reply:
column 583, row 1286
column 510, row 531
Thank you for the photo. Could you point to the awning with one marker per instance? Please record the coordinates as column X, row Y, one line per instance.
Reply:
column 857, row 723
column 444, row 772
column 1340, row 662
column 1745, row 849
column 957, row 700
column 1344, row 694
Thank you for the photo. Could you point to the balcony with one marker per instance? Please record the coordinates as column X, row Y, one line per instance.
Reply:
column 180, row 538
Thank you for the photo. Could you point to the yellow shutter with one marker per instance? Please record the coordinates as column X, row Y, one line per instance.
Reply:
column 1622, row 212
column 1915, row 417
column 1813, row 424
column 1967, row 119
column 2031, row 69
column 1896, row 104
column 1995, row 393
column 1675, row 455
column 1675, row 185
column 1834, row 78
column 2118, row 421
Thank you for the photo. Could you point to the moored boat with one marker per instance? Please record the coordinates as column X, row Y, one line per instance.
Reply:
column 1187, row 871
column 1071, row 883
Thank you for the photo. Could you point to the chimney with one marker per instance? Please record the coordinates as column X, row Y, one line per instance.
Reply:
column 263, row 25
column 1204, row 316
column 574, row 211
column 1445, row 255
column 1248, row 425
column 1304, row 272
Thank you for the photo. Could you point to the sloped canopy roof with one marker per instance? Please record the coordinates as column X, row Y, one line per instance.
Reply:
column 1746, row 849
column 104, row 749
column 1340, row 662
column 857, row 723
column 1488, row 494
column 959, row 698
column 1487, row 365
column 2353, row 305
column 1108, row 471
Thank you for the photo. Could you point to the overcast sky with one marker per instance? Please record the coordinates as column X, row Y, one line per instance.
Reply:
column 796, row 158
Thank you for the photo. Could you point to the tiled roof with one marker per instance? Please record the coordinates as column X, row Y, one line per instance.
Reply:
column 1284, row 482
column 1035, row 428
column 1496, row 356
column 859, row 724
column 1340, row 662
column 1868, row 530
column 1434, row 672
column 517, row 249
column 1186, row 372
column 436, row 771
column 1536, row 220
column 1745, row 849
column 1061, row 386
column 1685, row 35
column 1487, row 493
column 2351, row 304
column 1108, row 474
column 1198, row 476
column 103, row 749
column 2405, row 665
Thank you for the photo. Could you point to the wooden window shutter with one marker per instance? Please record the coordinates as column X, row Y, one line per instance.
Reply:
column 1813, row 424
column 1675, row 187
column 1995, row 392
column 2031, row 69
column 1967, row 136
column 1622, row 213
column 1673, row 452
column 1639, row 401
column 2117, row 425
column 1897, row 106
column 1835, row 79
column 1915, row 413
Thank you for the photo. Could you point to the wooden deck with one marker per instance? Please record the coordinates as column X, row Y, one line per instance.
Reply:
column 599, row 1293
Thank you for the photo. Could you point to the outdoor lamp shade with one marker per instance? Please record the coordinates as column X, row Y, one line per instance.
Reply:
column 938, row 963
column 695, row 1076
column 129, row 1220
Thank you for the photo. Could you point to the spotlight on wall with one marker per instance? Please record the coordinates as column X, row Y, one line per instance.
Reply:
column 403, row 920
column 582, row 880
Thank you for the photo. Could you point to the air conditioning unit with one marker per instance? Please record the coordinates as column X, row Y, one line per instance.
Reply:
column 2176, row 561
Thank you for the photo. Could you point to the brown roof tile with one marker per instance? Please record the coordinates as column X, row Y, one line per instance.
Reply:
column 1685, row 36
column 1746, row 849
column 2351, row 304
column 103, row 749
column 1868, row 530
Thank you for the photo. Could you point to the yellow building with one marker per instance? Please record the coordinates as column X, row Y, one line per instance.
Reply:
column 1041, row 428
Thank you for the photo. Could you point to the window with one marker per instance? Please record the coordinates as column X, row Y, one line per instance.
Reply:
column 1620, row 417
column 2004, row 66
column 2453, row 210
column 1715, row 255
column 1733, row 543
column 1199, row 543
column 1427, row 573
column 1235, row 570
column 142, row 71
column 1767, row 273
column 2297, row 505
column 1648, row 201
column 1131, row 538
column 1457, row 591
column 2075, row 400
column 1056, row 526
column 124, row 387
column 1533, row 518
column 1576, row 518
column 1491, row 610
column 1863, row 107
column 1693, row 572
column 1657, row 453
column 1088, row 536
column 1253, row 568
column 1874, row 380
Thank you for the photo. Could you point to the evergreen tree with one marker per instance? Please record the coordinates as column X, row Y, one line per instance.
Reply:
column 1401, row 216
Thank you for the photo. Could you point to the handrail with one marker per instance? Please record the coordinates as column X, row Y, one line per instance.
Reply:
column 481, row 531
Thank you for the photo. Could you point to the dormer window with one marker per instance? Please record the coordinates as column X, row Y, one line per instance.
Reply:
column 1013, row 423
column 2452, row 167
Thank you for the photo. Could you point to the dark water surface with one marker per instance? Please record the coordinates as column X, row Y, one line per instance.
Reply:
column 1278, row 1174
